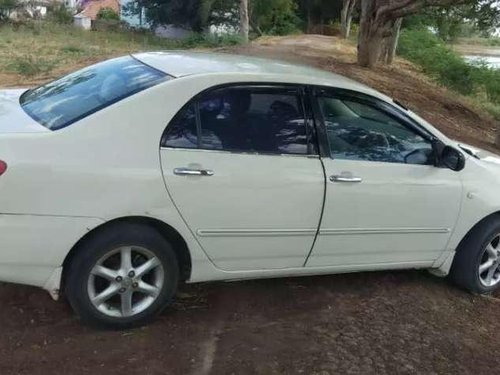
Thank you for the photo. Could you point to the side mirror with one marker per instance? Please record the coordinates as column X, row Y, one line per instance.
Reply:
column 452, row 158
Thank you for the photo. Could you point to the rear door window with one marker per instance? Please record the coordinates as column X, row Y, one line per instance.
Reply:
column 68, row 99
column 241, row 119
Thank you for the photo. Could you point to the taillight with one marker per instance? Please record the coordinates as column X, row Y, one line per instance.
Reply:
column 3, row 167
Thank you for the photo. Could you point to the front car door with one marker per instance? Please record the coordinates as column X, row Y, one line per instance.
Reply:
column 387, row 205
column 240, row 165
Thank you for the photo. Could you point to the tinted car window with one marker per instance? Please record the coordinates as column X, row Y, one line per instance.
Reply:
column 182, row 129
column 71, row 98
column 358, row 131
column 246, row 120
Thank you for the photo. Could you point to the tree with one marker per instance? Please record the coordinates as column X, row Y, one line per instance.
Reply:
column 244, row 20
column 7, row 7
column 378, row 19
column 480, row 17
column 319, row 12
column 108, row 14
column 348, row 7
column 390, row 43
column 192, row 14
column 273, row 16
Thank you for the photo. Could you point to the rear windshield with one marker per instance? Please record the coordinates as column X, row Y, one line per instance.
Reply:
column 77, row 95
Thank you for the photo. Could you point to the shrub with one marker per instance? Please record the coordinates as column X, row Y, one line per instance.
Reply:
column 437, row 60
column 6, row 7
column 451, row 70
column 108, row 14
column 209, row 40
column 60, row 14
column 492, row 86
column 29, row 66
column 72, row 49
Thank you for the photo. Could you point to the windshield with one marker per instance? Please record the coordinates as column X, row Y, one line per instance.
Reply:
column 68, row 99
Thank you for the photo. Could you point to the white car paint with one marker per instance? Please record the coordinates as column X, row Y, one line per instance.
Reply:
column 375, row 222
column 62, row 184
column 253, row 221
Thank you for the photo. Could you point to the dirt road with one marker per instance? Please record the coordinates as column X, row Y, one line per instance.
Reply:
column 385, row 323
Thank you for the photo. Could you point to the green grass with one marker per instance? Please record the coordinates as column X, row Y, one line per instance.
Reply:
column 40, row 50
column 30, row 66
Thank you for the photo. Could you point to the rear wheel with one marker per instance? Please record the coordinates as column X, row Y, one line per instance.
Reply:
column 477, row 263
column 122, row 277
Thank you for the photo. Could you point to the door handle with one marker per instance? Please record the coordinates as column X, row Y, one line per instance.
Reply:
column 193, row 172
column 345, row 178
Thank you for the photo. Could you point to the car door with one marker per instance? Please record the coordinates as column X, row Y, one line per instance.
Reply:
column 239, row 162
column 386, row 203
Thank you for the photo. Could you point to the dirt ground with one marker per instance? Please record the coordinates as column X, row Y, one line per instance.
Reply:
column 385, row 323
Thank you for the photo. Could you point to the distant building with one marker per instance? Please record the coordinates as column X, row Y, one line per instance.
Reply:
column 90, row 10
column 82, row 21
column 30, row 9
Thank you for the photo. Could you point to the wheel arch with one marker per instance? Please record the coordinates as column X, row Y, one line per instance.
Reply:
column 168, row 232
column 476, row 226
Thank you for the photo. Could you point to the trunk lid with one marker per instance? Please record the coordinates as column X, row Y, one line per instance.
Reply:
column 13, row 119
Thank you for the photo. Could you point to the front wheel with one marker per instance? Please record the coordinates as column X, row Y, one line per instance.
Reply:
column 476, row 266
column 122, row 277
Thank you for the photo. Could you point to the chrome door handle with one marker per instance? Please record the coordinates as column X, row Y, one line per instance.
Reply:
column 193, row 172
column 345, row 178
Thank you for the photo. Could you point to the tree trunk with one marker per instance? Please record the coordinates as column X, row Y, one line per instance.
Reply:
column 346, row 17
column 244, row 20
column 377, row 20
column 369, row 49
column 371, row 35
column 309, row 23
column 390, row 44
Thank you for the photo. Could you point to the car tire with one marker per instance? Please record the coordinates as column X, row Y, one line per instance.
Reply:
column 114, row 262
column 480, row 247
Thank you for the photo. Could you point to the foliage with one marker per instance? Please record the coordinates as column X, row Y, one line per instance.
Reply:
column 6, row 7
column 30, row 66
column 197, row 40
column 277, row 17
column 460, row 20
column 266, row 16
column 319, row 11
column 108, row 14
column 451, row 70
column 188, row 13
column 58, row 13
column 436, row 59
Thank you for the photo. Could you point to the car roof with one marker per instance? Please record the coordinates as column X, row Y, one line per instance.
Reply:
column 188, row 63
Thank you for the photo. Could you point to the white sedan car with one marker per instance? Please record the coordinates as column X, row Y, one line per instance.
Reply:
column 124, row 178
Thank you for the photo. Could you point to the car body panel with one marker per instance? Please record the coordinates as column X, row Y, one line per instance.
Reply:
column 398, row 213
column 255, row 212
column 13, row 119
column 32, row 245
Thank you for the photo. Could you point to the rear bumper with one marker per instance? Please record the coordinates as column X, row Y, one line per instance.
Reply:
column 33, row 247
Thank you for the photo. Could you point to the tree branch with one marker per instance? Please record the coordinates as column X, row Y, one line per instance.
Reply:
column 397, row 9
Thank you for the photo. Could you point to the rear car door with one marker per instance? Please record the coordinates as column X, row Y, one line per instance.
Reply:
column 240, row 164
column 386, row 203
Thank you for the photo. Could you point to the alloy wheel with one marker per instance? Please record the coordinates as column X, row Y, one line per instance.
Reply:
column 489, row 266
column 125, row 282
